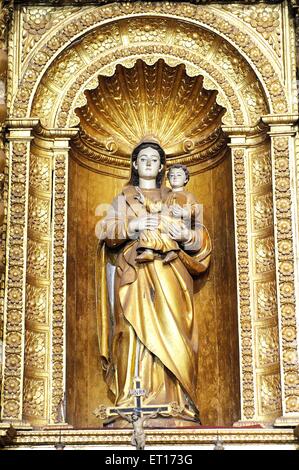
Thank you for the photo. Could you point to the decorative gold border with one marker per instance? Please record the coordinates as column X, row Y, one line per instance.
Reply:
column 156, row 437
column 282, row 150
column 256, row 52
column 14, row 327
column 216, row 19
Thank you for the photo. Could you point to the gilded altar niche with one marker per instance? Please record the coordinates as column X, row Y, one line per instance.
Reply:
column 80, row 96
column 120, row 110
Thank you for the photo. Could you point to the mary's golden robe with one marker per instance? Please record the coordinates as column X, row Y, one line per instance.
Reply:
column 152, row 302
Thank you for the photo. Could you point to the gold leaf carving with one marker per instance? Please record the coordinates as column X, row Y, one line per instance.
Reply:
column 38, row 258
column 261, row 169
column 35, row 351
column 40, row 173
column 270, row 394
column 263, row 211
column 37, row 303
column 34, row 397
column 39, row 214
column 159, row 100
column 268, row 352
column 266, row 299
column 265, row 255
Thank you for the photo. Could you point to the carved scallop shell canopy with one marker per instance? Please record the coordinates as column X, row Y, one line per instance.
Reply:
column 157, row 100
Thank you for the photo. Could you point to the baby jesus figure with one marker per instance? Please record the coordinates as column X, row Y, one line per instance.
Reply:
column 179, row 206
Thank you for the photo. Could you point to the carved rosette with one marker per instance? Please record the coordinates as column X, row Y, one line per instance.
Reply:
column 16, row 276
column 58, row 281
column 244, row 287
column 3, row 211
column 282, row 149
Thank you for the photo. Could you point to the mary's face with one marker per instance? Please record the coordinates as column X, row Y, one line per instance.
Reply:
column 148, row 163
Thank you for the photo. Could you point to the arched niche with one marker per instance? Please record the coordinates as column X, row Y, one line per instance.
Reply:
column 53, row 79
column 164, row 101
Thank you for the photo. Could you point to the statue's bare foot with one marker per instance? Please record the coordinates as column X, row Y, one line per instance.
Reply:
column 146, row 255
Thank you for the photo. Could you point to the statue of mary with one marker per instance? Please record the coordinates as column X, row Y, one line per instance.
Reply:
column 146, row 320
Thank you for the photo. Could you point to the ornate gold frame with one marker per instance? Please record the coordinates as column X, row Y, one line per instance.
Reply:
column 50, row 66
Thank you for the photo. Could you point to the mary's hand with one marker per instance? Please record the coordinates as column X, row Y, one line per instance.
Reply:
column 146, row 222
column 179, row 233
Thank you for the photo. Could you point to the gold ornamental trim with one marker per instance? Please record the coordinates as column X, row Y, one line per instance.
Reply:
column 154, row 437
column 263, row 172
column 216, row 19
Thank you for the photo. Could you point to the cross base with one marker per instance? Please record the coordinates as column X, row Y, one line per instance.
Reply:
column 170, row 409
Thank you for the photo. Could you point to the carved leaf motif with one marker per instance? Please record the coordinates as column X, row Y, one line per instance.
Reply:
column 261, row 169
column 266, row 300
column 36, row 303
column 263, row 211
column 39, row 214
column 38, row 258
column 265, row 255
column 35, row 351
column 268, row 352
column 34, row 397
column 40, row 173
column 270, row 394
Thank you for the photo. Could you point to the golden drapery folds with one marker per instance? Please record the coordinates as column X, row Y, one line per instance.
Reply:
column 151, row 302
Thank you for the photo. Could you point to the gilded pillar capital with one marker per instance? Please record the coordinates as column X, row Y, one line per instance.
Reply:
column 281, row 124
column 245, row 136
column 20, row 127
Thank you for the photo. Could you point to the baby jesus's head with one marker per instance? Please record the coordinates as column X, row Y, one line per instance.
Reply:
column 178, row 176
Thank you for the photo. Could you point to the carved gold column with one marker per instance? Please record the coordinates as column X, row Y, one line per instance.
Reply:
column 58, row 273
column 258, row 334
column 44, row 380
column 265, row 318
column 38, row 284
column 5, row 18
column 283, row 130
column 19, row 137
column 241, row 209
